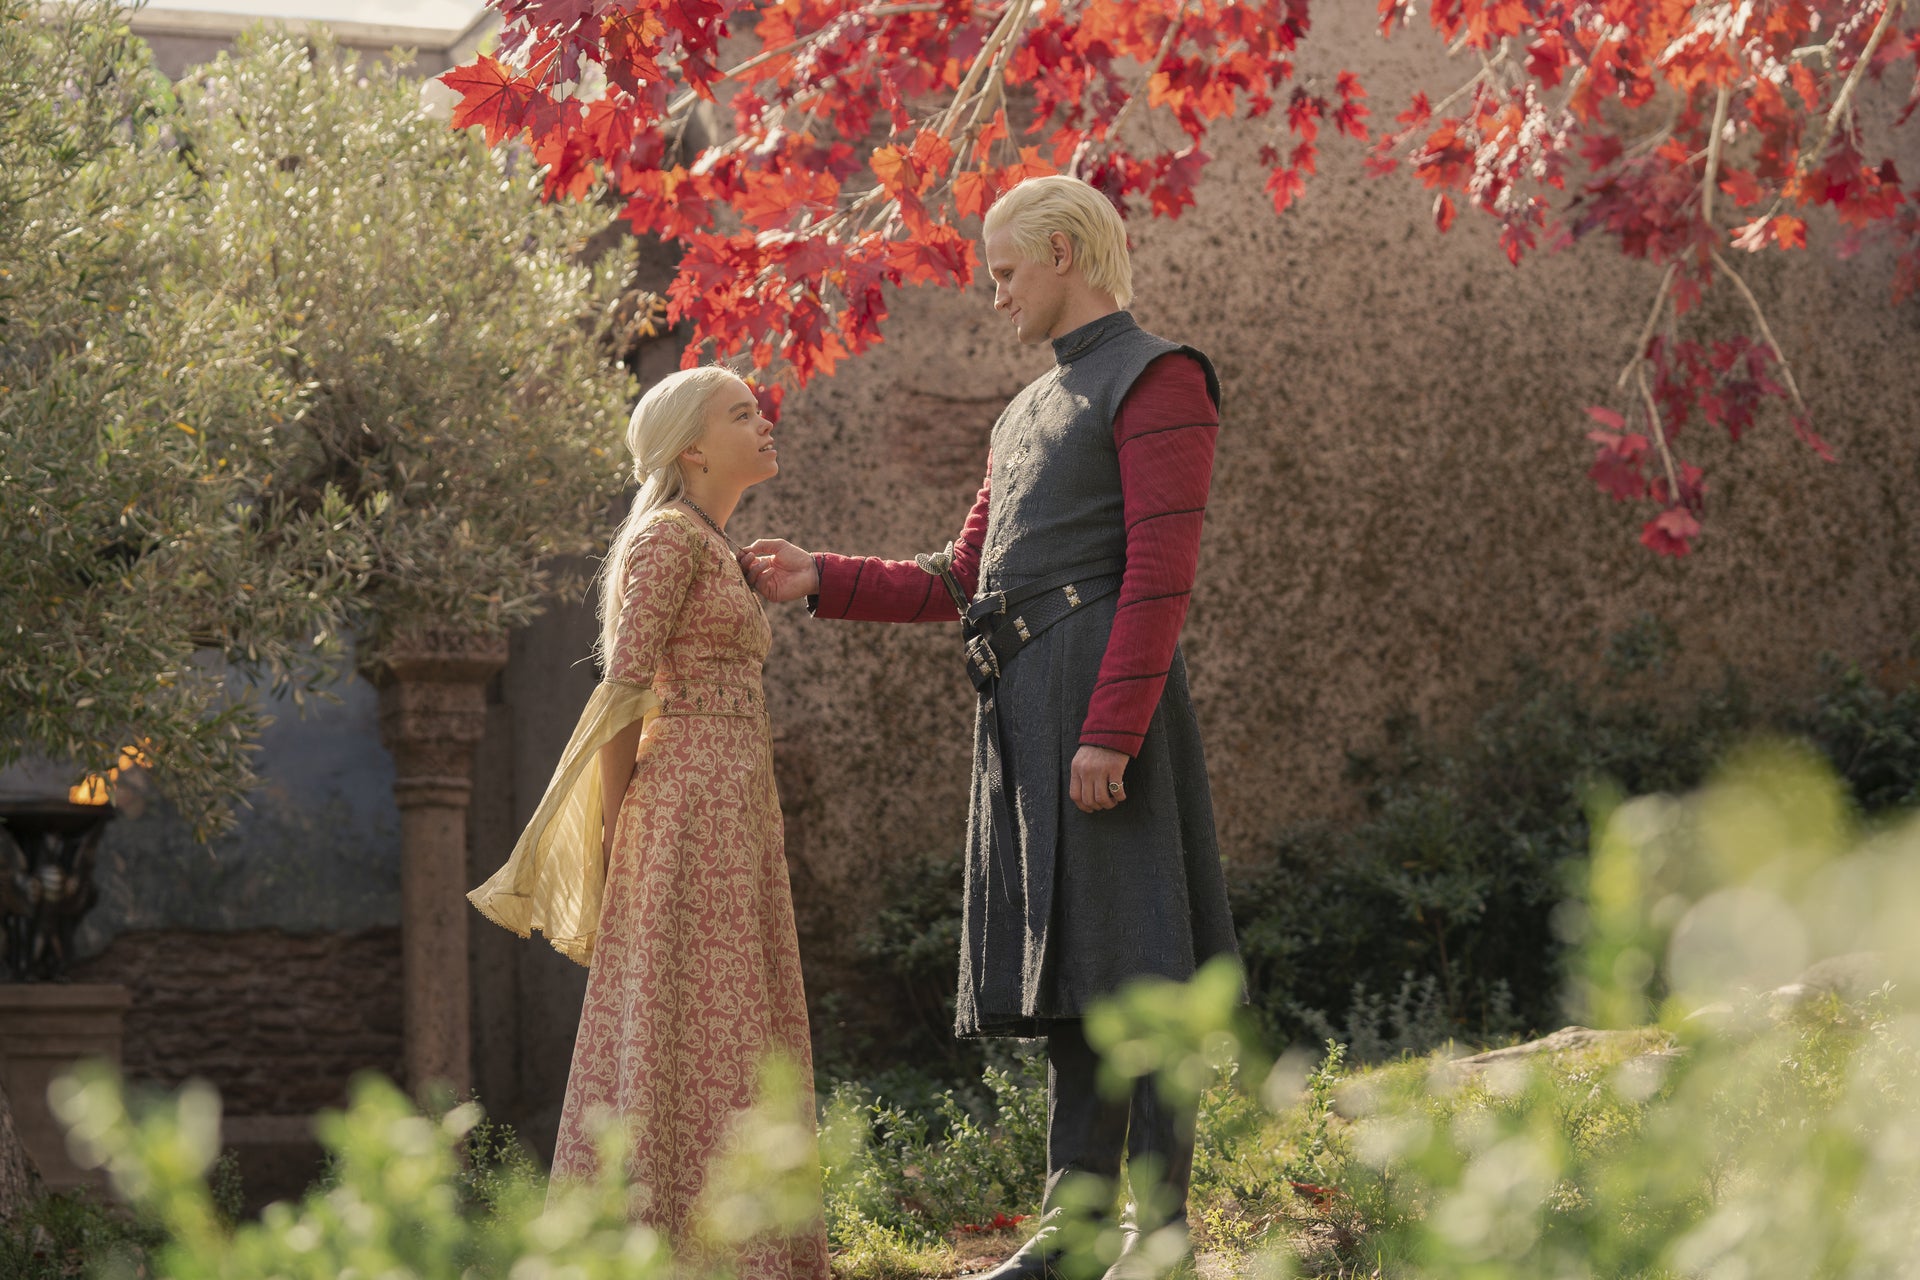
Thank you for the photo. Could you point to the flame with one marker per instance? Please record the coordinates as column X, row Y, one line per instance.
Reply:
column 96, row 789
column 93, row 789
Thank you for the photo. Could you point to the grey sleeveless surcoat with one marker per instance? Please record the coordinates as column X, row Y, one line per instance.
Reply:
column 1063, row 907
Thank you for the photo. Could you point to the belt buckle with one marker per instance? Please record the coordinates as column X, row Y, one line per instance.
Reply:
column 981, row 654
column 978, row 608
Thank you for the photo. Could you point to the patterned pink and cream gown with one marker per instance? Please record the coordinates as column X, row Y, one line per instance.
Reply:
column 695, row 973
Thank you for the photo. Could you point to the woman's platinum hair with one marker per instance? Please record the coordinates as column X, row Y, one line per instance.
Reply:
column 1037, row 207
column 669, row 420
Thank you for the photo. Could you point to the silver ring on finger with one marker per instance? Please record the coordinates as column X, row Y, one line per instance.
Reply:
column 1113, row 789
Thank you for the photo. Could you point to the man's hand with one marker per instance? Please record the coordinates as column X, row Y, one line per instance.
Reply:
column 779, row 570
column 1093, row 769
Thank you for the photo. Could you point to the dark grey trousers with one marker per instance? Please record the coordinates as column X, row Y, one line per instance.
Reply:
column 1089, row 1133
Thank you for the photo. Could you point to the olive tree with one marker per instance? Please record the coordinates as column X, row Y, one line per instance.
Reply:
column 435, row 317
column 286, row 370
column 142, row 535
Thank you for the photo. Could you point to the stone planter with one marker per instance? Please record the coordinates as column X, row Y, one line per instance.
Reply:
column 46, row 1027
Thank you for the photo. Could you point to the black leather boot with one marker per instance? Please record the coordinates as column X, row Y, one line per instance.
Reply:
column 1159, row 1174
column 1035, row 1259
column 1086, row 1136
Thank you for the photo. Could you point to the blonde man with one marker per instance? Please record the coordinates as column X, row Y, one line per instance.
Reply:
column 1091, row 854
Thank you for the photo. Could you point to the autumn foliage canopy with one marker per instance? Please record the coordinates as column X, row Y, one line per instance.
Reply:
column 848, row 143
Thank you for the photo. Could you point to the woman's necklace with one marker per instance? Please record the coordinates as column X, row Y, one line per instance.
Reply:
column 734, row 547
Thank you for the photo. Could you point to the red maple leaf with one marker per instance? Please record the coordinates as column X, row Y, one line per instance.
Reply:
column 973, row 193
column 1030, row 165
column 1284, row 185
column 895, row 170
column 1671, row 533
column 1547, row 58
column 1741, row 185
column 932, row 153
column 1173, row 191
column 769, row 395
column 630, row 42
column 491, row 96
column 939, row 255
column 773, row 199
column 1618, row 461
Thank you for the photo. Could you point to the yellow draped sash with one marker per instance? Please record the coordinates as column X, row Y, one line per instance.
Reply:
column 554, row 878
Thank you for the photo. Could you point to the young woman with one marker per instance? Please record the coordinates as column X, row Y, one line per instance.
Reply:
column 656, row 856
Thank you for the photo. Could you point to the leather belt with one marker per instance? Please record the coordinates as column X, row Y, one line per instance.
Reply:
column 1002, row 623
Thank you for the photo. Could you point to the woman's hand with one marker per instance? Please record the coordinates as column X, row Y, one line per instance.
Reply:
column 1093, row 769
column 779, row 570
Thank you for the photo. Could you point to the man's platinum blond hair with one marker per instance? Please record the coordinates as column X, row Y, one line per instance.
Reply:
column 1037, row 207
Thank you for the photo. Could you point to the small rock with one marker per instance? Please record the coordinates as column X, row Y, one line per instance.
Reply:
column 1852, row 977
column 1565, row 1040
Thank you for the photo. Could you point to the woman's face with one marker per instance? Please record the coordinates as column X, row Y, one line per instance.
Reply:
column 737, row 446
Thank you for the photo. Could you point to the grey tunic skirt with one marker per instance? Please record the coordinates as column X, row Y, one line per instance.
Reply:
column 1063, row 907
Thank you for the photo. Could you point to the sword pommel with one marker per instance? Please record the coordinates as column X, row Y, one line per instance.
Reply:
column 939, row 564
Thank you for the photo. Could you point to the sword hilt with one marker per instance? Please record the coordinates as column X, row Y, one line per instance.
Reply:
column 939, row 564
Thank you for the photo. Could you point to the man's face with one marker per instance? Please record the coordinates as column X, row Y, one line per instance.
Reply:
column 1032, row 294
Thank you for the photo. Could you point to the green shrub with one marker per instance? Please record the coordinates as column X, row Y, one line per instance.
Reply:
column 71, row 1234
column 1431, row 919
column 910, row 1178
column 910, row 952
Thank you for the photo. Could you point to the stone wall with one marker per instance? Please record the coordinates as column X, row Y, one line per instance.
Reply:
column 279, row 1022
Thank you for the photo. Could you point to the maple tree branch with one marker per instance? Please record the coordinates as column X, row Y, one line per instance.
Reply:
column 992, row 59
column 1713, row 154
column 1841, row 99
column 1485, row 73
column 1766, row 330
column 1646, row 330
column 1573, row 87
column 992, row 90
column 796, row 47
column 1659, row 430
column 1807, row 157
column 1012, row 19
column 1153, row 68
column 1658, row 136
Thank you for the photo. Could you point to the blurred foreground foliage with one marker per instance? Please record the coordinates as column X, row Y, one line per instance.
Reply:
column 283, row 366
column 1716, row 1123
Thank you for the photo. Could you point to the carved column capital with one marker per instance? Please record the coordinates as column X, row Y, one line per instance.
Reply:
column 433, row 711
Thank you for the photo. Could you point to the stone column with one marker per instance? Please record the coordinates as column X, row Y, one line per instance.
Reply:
column 432, row 713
